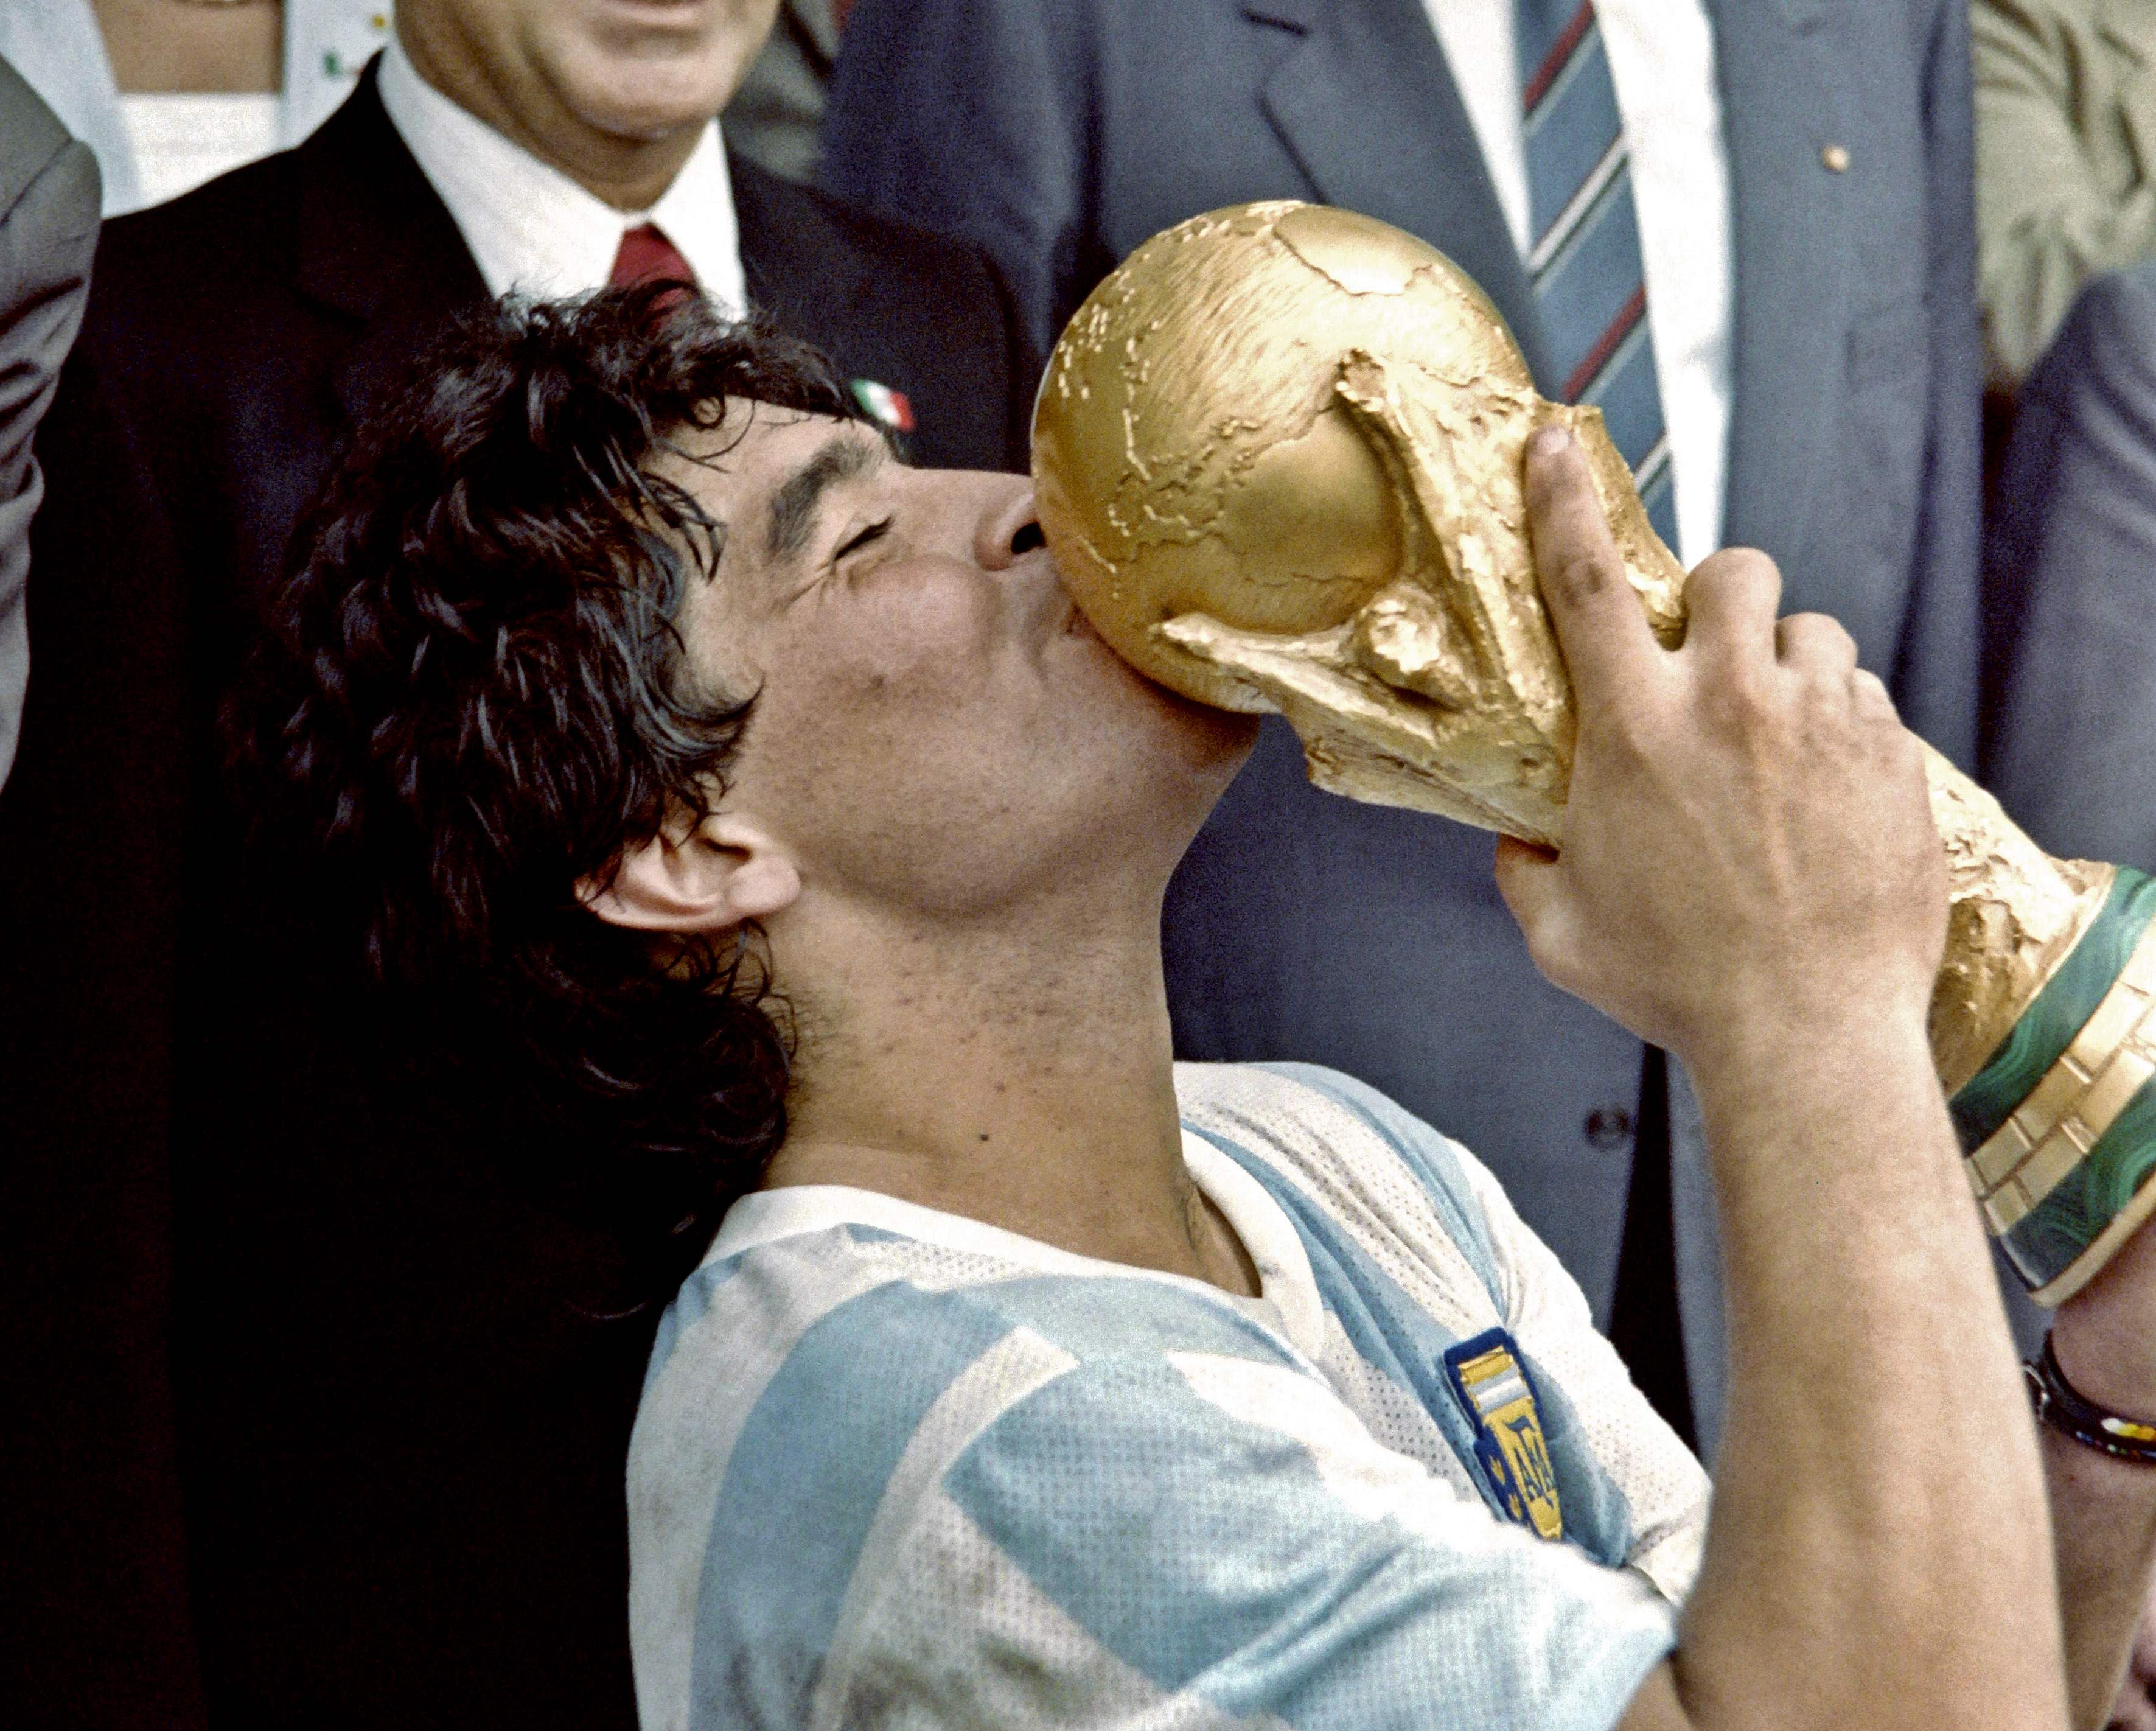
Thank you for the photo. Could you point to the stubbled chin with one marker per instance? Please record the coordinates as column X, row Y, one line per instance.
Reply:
column 1199, row 739
column 1206, row 738
column 1228, row 735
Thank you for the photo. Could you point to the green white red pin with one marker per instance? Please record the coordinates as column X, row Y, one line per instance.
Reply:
column 882, row 404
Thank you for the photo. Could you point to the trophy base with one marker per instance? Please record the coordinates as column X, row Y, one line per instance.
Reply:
column 2058, row 1129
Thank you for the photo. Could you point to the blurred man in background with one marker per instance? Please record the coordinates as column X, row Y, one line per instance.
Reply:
column 1743, row 230
column 169, row 94
column 2071, row 554
column 380, row 1482
column 2066, row 185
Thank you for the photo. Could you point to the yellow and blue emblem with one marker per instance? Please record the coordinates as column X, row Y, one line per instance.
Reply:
column 1496, row 1393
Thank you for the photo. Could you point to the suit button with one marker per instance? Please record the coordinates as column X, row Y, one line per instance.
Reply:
column 1608, row 1128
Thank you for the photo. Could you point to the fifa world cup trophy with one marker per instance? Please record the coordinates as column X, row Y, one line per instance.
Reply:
column 1278, row 457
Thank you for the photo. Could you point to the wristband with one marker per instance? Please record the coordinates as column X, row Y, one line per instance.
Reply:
column 2063, row 1406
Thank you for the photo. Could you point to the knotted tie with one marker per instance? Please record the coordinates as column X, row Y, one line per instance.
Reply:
column 1584, row 255
column 646, row 253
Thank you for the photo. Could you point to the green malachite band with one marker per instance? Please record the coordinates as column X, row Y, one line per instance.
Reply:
column 2046, row 1242
column 2048, row 1026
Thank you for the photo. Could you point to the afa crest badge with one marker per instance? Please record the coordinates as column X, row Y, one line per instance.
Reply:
column 1499, row 1400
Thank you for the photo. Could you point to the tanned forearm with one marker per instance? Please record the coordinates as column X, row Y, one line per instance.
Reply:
column 1879, row 1551
column 2104, row 1514
column 2104, row 1510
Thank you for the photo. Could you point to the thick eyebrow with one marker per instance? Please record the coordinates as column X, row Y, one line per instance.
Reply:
column 793, row 506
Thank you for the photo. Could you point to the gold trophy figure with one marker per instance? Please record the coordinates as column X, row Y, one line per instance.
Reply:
column 1279, row 459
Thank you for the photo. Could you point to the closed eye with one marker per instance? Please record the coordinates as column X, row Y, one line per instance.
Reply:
column 865, row 537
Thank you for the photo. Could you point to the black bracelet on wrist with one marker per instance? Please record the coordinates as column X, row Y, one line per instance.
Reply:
column 2063, row 1406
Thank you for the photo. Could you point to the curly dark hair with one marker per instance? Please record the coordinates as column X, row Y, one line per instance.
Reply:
column 474, row 696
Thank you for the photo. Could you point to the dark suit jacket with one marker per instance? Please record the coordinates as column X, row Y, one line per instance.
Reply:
column 1060, row 135
column 2070, row 564
column 383, row 1482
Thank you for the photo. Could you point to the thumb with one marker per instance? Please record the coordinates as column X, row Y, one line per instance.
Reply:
column 1532, row 881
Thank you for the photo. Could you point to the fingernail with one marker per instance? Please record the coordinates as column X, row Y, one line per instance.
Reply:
column 1548, row 441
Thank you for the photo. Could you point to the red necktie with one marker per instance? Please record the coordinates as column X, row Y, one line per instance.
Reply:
column 645, row 253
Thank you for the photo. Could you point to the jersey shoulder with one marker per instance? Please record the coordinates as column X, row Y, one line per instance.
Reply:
column 1369, row 1164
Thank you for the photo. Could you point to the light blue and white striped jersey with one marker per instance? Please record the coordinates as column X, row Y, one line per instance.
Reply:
column 896, row 1468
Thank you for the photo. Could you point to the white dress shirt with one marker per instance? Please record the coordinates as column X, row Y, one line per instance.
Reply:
column 181, row 138
column 533, row 228
column 1662, row 61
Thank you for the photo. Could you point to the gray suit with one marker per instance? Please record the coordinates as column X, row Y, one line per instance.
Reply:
column 776, row 118
column 1059, row 134
column 48, row 194
column 2072, row 566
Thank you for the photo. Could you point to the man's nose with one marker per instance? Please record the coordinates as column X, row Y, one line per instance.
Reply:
column 1009, row 528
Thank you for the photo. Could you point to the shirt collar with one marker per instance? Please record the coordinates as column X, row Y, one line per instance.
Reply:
column 533, row 229
column 1288, row 1300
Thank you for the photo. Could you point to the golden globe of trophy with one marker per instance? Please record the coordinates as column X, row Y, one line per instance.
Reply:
column 1279, row 459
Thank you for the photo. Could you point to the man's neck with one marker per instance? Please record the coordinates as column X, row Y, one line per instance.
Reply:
column 1023, row 1078
column 628, row 173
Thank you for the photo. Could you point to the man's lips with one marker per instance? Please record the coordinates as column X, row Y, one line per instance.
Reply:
column 1074, row 622
column 672, row 18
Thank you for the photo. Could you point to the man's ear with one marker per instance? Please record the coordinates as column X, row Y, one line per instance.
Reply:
column 720, row 872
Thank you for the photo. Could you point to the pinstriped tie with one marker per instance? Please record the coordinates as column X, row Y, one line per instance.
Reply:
column 1584, row 258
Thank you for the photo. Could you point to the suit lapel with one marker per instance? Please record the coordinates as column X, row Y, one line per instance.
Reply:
column 796, row 265
column 1783, row 103
column 34, row 135
column 377, row 245
column 1368, row 110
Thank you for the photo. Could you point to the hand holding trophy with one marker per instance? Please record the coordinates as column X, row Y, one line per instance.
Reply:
column 1278, row 457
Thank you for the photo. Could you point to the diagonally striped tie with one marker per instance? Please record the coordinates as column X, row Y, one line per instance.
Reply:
column 1583, row 257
